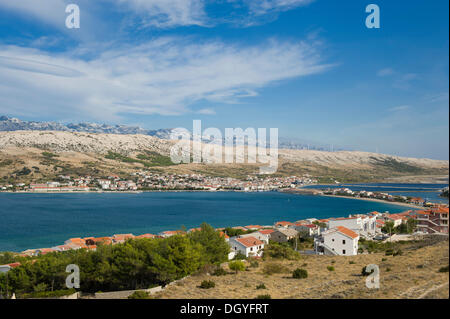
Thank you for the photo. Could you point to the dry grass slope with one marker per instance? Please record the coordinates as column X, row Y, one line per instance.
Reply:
column 414, row 275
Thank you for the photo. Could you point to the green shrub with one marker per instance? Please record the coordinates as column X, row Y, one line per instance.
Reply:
column 263, row 297
column 351, row 262
column 300, row 273
column 139, row 295
column 254, row 264
column 389, row 252
column 219, row 272
column 261, row 286
column 239, row 256
column 443, row 269
column 330, row 268
column 207, row 284
column 237, row 265
column 48, row 294
column 419, row 266
column 383, row 259
column 280, row 251
column 398, row 253
column 273, row 268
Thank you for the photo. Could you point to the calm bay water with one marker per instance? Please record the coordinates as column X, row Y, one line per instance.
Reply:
column 46, row 220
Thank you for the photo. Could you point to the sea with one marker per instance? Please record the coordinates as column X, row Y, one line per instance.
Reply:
column 29, row 221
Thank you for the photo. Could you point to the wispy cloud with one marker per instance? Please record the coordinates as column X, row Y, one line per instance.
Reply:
column 399, row 108
column 259, row 7
column 385, row 72
column 207, row 111
column 164, row 76
column 167, row 13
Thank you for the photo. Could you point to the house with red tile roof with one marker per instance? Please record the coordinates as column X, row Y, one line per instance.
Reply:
column 8, row 267
column 283, row 224
column 121, row 238
column 248, row 246
column 169, row 233
column 337, row 241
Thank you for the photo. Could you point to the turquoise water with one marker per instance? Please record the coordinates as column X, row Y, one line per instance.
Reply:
column 46, row 220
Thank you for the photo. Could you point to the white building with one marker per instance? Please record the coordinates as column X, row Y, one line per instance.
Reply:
column 337, row 241
column 248, row 246
column 363, row 225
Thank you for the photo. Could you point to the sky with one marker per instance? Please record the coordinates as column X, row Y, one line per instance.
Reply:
column 310, row 68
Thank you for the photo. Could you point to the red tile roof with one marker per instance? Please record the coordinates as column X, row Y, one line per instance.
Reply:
column 249, row 241
column 266, row 231
column 348, row 232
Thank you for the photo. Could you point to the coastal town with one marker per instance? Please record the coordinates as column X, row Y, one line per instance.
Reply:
column 331, row 236
column 148, row 181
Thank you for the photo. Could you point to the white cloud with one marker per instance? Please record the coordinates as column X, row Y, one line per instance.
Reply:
column 165, row 76
column 399, row 108
column 168, row 13
column 264, row 6
column 385, row 72
column 207, row 111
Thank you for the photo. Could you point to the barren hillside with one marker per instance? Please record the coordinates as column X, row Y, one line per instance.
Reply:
column 87, row 153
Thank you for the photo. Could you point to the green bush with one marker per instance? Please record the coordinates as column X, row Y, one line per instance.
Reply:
column 351, row 262
column 261, row 286
column 139, row 295
column 207, row 284
column 254, row 264
column 300, row 273
column 237, row 266
column 330, row 268
column 280, row 251
column 263, row 297
column 273, row 268
column 48, row 294
column 443, row 269
column 219, row 272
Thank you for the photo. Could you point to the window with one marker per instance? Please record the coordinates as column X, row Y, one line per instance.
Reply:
column 332, row 239
column 343, row 241
column 251, row 248
column 343, row 252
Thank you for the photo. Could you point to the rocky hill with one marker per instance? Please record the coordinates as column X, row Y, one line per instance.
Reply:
column 83, row 152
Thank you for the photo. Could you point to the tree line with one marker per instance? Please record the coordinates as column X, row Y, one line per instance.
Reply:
column 135, row 264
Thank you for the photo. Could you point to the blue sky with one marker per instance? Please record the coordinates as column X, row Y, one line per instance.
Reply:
column 310, row 68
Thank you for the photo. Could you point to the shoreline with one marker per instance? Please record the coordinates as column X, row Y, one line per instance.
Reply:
column 378, row 200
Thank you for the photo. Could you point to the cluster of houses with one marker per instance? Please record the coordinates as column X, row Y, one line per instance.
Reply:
column 332, row 236
column 378, row 195
column 155, row 181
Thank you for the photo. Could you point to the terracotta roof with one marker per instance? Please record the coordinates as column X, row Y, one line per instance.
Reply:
column 347, row 232
column 222, row 234
column 266, row 231
column 284, row 223
column 146, row 236
column 249, row 241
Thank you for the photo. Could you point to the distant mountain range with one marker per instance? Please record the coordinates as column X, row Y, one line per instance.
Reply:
column 13, row 124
